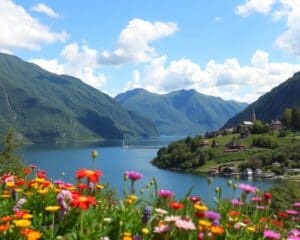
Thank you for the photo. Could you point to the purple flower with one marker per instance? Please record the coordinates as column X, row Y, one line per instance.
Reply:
column 19, row 204
column 133, row 176
column 165, row 193
column 269, row 234
column 146, row 215
column 212, row 215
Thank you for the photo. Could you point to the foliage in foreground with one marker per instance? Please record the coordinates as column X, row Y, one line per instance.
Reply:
column 33, row 207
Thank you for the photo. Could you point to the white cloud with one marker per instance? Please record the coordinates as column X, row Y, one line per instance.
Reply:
column 134, row 42
column 7, row 51
column 250, row 6
column 80, row 62
column 217, row 19
column 43, row 8
column 290, row 39
column 288, row 10
column 20, row 30
column 228, row 80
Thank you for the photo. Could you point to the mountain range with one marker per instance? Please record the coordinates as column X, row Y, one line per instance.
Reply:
column 271, row 105
column 46, row 107
column 181, row 112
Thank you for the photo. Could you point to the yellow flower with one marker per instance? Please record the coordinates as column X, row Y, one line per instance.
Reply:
column 200, row 207
column 145, row 231
column 18, row 189
column 99, row 186
column 127, row 236
column 27, row 216
column 204, row 223
column 10, row 184
column 40, row 180
column 251, row 229
column 42, row 191
column 22, row 223
column 133, row 197
column 52, row 208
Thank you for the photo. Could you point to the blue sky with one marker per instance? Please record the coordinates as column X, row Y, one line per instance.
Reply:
column 236, row 50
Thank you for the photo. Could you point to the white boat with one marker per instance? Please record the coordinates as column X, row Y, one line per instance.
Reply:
column 248, row 172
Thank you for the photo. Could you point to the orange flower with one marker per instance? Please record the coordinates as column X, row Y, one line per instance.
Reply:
column 176, row 205
column 217, row 230
column 6, row 218
column 233, row 213
column 27, row 170
column 4, row 227
column 82, row 202
column 31, row 234
column 92, row 175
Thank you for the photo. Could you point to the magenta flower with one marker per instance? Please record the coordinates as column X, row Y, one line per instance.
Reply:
column 247, row 188
column 212, row 215
column 165, row 193
column 269, row 234
column 133, row 176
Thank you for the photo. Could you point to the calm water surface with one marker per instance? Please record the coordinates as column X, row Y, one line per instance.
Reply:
column 113, row 161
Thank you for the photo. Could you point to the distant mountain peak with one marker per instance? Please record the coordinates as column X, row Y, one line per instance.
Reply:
column 184, row 111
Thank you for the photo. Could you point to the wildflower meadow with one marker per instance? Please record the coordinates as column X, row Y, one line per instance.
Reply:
column 34, row 207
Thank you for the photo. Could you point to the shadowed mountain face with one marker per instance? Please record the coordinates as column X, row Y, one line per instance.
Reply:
column 272, row 104
column 181, row 112
column 45, row 107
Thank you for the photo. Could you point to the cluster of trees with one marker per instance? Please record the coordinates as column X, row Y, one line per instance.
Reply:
column 265, row 141
column 9, row 162
column 184, row 154
column 291, row 118
column 259, row 127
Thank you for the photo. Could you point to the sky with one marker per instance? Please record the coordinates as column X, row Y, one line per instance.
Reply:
column 233, row 49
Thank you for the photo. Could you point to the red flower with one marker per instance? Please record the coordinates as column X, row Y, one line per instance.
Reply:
column 20, row 214
column 20, row 182
column 82, row 202
column 277, row 223
column 82, row 186
column 41, row 174
column 267, row 197
column 176, row 205
column 283, row 214
column 27, row 170
column 92, row 175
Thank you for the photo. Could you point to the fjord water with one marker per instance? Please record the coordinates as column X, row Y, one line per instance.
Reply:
column 114, row 159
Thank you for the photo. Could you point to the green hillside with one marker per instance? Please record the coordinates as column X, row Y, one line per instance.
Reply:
column 272, row 104
column 45, row 107
column 188, row 155
column 181, row 112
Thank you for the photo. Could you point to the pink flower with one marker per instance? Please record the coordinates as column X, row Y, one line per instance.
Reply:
column 296, row 204
column 133, row 176
column 269, row 234
column 236, row 202
column 247, row 188
column 185, row 224
column 256, row 199
column 212, row 215
column 292, row 212
column 165, row 193
column 161, row 229
column 172, row 218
